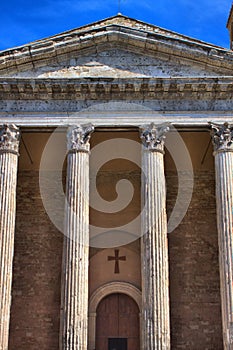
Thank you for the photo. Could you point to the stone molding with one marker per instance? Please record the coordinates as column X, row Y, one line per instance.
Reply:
column 153, row 136
column 78, row 138
column 114, row 287
column 9, row 139
column 89, row 39
column 110, row 116
column 115, row 89
column 222, row 137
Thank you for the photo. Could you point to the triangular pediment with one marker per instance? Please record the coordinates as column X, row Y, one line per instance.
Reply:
column 117, row 63
column 118, row 47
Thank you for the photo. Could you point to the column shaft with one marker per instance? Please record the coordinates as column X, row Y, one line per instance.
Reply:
column 223, row 145
column 155, row 290
column 74, row 316
column 9, row 143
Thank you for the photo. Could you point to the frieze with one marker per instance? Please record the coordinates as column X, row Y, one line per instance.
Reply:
column 101, row 89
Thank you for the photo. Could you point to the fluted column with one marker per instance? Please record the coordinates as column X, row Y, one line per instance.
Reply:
column 9, row 147
column 155, row 290
column 74, row 315
column 222, row 136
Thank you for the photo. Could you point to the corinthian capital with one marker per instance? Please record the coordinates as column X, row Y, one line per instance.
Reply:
column 222, row 137
column 78, row 138
column 153, row 136
column 9, row 138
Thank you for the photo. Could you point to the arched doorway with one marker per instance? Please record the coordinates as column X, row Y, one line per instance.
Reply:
column 117, row 323
column 102, row 292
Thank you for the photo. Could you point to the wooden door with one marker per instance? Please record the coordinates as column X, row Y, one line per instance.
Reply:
column 117, row 318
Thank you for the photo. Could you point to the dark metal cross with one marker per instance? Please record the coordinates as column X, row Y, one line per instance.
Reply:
column 117, row 258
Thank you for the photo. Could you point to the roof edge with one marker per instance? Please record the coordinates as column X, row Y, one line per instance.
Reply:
column 90, row 26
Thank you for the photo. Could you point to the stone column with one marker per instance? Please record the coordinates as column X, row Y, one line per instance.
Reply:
column 9, row 147
column 155, row 283
column 222, row 136
column 74, row 315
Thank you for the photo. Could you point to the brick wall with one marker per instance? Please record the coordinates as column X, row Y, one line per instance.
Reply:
column 194, row 269
column 37, row 265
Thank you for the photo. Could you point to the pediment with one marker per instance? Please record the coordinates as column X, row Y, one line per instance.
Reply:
column 118, row 63
column 118, row 47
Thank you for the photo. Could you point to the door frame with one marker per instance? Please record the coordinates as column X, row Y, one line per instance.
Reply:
column 102, row 292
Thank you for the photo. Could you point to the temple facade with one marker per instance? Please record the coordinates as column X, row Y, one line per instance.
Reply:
column 116, row 191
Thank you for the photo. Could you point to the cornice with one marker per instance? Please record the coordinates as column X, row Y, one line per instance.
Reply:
column 116, row 89
column 112, row 118
column 55, row 48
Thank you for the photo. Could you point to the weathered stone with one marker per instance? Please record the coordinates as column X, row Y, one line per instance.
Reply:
column 9, row 145
column 222, row 136
column 74, row 309
column 155, row 280
column 118, row 63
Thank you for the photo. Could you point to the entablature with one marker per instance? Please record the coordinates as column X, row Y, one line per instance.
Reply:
column 116, row 89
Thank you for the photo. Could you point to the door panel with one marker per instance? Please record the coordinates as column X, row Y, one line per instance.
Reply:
column 117, row 319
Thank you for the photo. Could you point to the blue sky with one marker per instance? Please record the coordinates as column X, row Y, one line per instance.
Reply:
column 23, row 21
